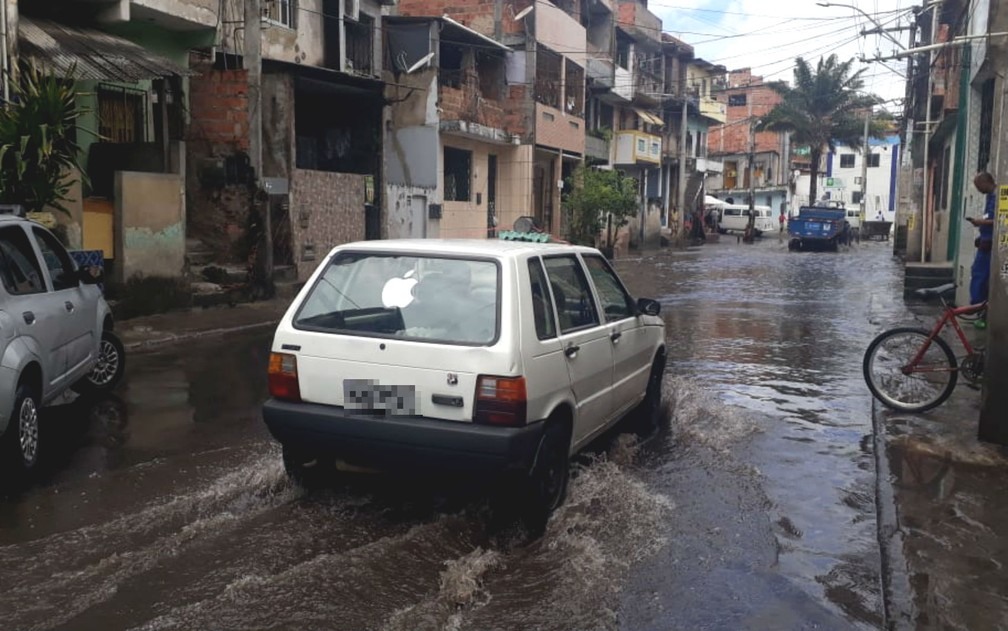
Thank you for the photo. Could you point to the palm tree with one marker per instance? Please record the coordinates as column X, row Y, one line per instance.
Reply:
column 823, row 108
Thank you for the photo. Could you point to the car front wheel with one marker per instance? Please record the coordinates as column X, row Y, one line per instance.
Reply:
column 21, row 441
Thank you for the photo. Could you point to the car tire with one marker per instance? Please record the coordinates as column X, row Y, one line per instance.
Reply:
column 21, row 442
column 647, row 415
column 546, row 485
column 306, row 470
column 109, row 369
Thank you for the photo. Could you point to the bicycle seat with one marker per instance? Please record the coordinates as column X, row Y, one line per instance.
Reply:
column 947, row 290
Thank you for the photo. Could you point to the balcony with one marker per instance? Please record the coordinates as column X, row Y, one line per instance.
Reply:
column 714, row 110
column 596, row 148
column 601, row 69
column 708, row 165
column 624, row 84
column 636, row 147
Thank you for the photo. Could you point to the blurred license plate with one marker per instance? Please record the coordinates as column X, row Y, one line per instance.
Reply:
column 815, row 226
column 367, row 395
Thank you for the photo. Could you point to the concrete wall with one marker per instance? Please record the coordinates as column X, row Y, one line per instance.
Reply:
column 559, row 130
column 327, row 209
column 560, row 32
column 306, row 45
column 150, row 224
column 880, row 178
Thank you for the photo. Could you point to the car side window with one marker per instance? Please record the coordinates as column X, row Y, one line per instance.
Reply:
column 571, row 293
column 542, row 303
column 19, row 267
column 616, row 302
column 57, row 261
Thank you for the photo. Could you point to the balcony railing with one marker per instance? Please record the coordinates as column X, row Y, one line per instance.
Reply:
column 597, row 148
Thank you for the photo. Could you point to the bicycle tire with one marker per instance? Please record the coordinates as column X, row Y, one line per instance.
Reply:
column 879, row 384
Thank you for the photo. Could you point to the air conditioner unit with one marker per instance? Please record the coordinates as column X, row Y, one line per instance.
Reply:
column 351, row 10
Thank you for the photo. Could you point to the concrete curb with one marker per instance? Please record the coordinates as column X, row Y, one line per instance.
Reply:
column 898, row 610
column 174, row 338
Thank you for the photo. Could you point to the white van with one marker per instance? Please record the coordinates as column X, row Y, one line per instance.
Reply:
column 735, row 218
column 854, row 218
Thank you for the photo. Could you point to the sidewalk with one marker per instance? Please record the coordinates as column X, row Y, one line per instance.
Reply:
column 177, row 326
column 942, row 502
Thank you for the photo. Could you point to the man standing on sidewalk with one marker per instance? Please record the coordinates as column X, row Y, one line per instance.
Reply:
column 980, row 273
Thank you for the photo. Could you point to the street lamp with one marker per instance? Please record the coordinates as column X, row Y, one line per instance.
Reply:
column 871, row 19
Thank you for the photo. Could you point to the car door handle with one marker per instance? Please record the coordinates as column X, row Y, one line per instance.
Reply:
column 69, row 306
column 572, row 350
column 29, row 317
column 615, row 336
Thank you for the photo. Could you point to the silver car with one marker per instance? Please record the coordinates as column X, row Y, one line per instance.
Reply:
column 55, row 334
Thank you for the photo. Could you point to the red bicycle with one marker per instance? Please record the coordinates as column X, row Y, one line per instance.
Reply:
column 912, row 369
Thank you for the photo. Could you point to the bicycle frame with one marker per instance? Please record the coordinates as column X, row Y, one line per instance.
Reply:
column 950, row 315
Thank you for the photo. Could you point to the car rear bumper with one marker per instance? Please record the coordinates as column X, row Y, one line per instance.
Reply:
column 401, row 442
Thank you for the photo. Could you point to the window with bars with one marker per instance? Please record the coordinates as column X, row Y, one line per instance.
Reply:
column 122, row 114
column 457, row 173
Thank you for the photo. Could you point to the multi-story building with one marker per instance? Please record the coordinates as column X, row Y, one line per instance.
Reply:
column 503, row 113
column 845, row 169
column 752, row 161
column 129, row 63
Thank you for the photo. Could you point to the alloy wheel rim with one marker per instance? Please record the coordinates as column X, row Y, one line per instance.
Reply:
column 28, row 430
column 108, row 364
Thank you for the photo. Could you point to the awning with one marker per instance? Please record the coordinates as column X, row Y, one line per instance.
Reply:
column 90, row 53
column 649, row 118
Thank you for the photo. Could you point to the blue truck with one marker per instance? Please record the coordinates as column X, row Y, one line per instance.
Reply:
column 818, row 228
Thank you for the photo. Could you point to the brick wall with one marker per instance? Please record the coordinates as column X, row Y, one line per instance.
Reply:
column 733, row 136
column 476, row 14
column 218, row 105
column 327, row 209
column 216, row 213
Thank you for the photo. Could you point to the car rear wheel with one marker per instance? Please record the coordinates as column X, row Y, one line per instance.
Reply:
column 306, row 470
column 108, row 370
column 546, row 486
column 21, row 441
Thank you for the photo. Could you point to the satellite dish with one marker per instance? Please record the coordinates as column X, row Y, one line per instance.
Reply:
column 421, row 63
column 524, row 12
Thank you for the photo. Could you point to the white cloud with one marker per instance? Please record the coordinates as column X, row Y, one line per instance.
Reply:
column 767, row 36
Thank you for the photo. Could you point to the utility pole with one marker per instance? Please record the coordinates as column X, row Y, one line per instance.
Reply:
column 865, row 156
column 751, row 224
column 925, row 248
column 252, row 57
column 681, row 192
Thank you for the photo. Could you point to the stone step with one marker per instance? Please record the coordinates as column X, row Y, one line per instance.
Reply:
column 932, row 270
column 227, row 274
column 284, row 273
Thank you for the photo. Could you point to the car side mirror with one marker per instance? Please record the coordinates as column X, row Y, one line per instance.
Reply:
column 89, row 275
column 648, row 306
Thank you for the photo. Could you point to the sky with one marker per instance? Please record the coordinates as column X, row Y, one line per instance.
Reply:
column 767, row 35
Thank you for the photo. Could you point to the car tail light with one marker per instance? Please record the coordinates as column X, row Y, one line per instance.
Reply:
column 283, row 377
column 500, row 401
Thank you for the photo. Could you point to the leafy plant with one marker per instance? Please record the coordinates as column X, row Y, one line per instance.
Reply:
column 38, row 146
column 602, row 133
column 825, row 106
column 594, row 194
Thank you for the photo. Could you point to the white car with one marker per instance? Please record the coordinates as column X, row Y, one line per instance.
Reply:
column 483, row 356
column 55, row 334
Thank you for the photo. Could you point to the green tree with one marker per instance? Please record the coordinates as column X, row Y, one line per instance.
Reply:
column 824, row 107
column 592, row 195
column 38, row 145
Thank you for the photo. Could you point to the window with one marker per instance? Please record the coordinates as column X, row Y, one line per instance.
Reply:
column 457, row 174
column 873, row 159
column 616, row 302
column 542, row 304
column 280, row 12
column 19, row 266
column 856, row 197
column 735, row 100
column 57, row 261
column 857, row 180
column 571, row 294
column 122, row 114
column 846, row 160
column 407, row 297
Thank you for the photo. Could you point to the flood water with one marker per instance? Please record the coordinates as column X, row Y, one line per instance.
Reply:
column 166, row 507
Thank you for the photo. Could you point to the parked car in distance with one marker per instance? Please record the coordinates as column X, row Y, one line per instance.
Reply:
column 55, row 334
column 481, row 356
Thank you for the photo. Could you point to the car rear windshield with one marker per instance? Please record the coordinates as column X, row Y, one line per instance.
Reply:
column 452, row 300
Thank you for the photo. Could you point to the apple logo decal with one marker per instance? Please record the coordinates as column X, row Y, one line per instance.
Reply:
column 398, row 292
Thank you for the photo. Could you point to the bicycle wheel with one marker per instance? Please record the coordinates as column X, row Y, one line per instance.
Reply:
column 930, row 382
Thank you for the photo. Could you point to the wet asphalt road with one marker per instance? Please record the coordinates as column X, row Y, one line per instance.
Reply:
column 166, row 507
